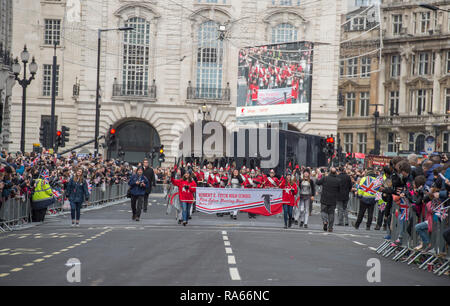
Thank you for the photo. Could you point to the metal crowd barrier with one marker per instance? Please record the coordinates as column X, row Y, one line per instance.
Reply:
column 16, row 212
column 435, row 260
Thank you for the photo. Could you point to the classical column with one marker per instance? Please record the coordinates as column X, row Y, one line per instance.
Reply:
column 436, row 108
column 402, row 92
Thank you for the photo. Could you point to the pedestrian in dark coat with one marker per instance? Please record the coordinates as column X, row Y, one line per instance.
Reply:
column 150, row 175
column 331, row 188
column 77, row 192
column 138, row 183
column 343, row 197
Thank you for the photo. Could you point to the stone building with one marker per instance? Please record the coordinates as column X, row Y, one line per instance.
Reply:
column 358, row 80
column 153, row 79
column 6, row 75
column 416, row 78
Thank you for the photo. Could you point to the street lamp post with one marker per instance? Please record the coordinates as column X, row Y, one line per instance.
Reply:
column 376, row 149
column 398, row 141
column 24, row 82
column 203, row 110
column 97, row 93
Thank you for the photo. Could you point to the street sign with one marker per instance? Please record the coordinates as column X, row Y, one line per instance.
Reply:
column 429, row 144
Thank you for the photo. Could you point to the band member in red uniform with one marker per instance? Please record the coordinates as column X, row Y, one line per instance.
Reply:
column 254, row 92
column 271, row 181
column 252, row 182
column 223, row 178
column 289, row 186
column 200, row 176
column 214, row 179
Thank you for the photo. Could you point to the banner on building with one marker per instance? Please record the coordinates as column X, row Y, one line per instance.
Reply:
column 265, row 202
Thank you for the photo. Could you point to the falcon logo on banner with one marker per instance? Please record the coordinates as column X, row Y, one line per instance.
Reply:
column 265, row 202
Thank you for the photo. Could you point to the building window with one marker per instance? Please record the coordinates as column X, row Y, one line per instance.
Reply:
column 394, row 98
column 395, row 66
column 136, row 46
column 411, row 142
column 47, row 81
column 413, row 64
column 423, row 63
column 362, row 142
column 447, row 101
column 365, row 67
column 396, row 24
column 358, row 23
column 421, row 101
column 425, row 22
column 352, row 67
column 52, row 32
column 341, row 68
column 350, row 104
column 391, row 147
column 448, row 62
column 348, row 142
column 284, row 32
column 209, row 61
column 445, row 141
column 364, row 104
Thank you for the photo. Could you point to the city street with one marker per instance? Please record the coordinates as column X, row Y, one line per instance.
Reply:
column 210, row 251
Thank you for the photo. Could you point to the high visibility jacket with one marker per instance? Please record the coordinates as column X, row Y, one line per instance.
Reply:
column 43, row 195
column 366, row 187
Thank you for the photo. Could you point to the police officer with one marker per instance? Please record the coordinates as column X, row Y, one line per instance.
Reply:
column 41, row 199
column 366, row 194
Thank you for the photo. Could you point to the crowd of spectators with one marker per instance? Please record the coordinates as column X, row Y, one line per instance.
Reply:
column 18, row 172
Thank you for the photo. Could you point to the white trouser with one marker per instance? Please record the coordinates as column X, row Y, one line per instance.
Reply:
column 304, row 209
column 234, row 213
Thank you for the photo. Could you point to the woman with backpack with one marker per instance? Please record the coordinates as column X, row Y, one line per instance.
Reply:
column 77, row 192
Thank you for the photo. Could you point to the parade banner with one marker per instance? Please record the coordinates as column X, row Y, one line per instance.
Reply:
column 265, row 202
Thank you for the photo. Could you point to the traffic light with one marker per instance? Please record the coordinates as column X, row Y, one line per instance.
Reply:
column 111, row 138
column 43, row 135
column 59, row 139
column 161, row 154
column 330, row 145
column 64, row 135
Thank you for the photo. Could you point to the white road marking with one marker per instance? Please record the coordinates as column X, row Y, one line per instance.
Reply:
column 358, row 243
column 227, row 243
column 225, row 237
column 234, row 274
column 231, row 260
column 372, row 248
column 224, row 232
column 228, row 251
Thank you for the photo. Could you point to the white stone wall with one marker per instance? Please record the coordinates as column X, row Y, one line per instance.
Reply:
column 173, row 38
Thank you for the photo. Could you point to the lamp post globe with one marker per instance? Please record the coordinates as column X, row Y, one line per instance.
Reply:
column 25, row 55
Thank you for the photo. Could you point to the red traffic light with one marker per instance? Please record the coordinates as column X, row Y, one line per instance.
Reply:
column 58, row 133
column 330, row 140
column 112, row 131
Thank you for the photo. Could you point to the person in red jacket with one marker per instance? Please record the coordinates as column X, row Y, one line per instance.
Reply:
column 187, row 188
column 289, row 186
column 214, row 179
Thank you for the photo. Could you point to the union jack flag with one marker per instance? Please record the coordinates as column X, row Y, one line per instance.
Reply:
column 404, row 206
column 370, row 186
column 56, row 193
column 379, row 181
column 89, row 186
column 45, row 174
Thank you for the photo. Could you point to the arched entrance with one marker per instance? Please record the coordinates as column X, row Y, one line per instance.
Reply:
column 136, row 139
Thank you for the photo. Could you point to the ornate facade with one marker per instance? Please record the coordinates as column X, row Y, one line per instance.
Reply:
column 158, row 73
